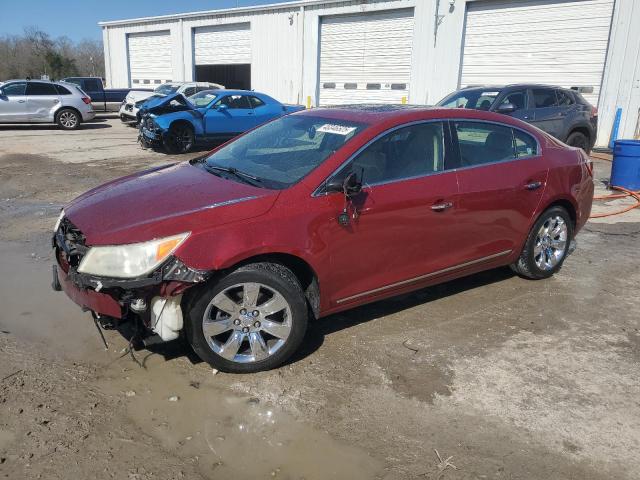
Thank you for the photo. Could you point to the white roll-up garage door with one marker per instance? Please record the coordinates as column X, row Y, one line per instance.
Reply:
column 560, row 43
column 366, row 58
column 150, row 56
column 222, row 44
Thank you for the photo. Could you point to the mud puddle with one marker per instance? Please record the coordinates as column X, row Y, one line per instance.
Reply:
column 32, row 311
column 230, row 436
column 185, row 407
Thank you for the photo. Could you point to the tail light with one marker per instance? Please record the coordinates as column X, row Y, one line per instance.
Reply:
column 594, row 111
column 587, row 162
column 86, row 100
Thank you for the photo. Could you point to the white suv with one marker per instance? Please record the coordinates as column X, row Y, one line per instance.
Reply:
column 135, row 98
column 40, row 101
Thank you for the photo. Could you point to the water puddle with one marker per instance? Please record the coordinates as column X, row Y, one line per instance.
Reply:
column 229, row 436
column 32, row 311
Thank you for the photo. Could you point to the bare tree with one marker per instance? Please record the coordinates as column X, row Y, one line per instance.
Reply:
column 35, row 53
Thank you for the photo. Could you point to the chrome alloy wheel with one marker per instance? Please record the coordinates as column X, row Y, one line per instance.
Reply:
column 247, row 322
column 68, row 119
column 551, row 243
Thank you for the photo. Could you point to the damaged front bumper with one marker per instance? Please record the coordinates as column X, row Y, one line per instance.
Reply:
column 155, row 299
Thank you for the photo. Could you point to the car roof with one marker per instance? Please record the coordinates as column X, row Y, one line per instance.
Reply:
column 510, row 85
column 389, row 115
column 35, row 80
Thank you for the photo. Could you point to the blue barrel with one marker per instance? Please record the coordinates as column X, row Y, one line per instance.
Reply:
column 625, row 171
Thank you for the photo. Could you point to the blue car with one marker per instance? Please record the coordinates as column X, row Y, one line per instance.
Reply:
column 211, row 116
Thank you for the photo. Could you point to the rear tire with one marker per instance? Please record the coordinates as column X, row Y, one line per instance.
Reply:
column 579, row 140
column 547, row 245
column 179, row 139
column 68, row 119
column 255, row 318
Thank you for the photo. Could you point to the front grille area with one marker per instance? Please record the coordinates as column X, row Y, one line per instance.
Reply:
column 128, row 107
column 71, row 244
column 149, row 123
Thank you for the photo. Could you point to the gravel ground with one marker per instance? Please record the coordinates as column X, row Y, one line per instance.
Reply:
column 487, row 377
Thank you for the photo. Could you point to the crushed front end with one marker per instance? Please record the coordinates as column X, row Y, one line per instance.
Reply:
column 152, row 300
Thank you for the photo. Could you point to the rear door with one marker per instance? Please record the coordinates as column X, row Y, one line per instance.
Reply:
column 547, row 113
column 502, row 177
column 42, row 101
column 13, row 102
column 235, row 117
column 402, row 225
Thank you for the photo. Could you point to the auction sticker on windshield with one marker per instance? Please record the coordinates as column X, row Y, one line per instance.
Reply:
column 336, row 129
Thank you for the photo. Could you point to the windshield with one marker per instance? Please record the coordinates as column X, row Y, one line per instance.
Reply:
column 282, row 152
column 477, row 99
column 166, row 89
column 202, row 99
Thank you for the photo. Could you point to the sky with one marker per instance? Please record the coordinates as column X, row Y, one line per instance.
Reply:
column 78, row 19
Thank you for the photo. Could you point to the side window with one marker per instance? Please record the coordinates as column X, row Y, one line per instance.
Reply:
column 14, row 89
column 526, row 145
column 37, row 88
column 564, row 98
column 256, row 102
column 189, row 91
column 62, row 90
column 517, row 98
column 544, row 97
column 407, row 152
column 481, row 143
column 234, row 101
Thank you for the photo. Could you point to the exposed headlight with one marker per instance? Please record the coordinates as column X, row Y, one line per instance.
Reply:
column 129, row 261
column 57, row 225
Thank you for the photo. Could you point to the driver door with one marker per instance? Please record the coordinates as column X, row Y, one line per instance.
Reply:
column 13, row 103
column 229, row 116
column 404, row 222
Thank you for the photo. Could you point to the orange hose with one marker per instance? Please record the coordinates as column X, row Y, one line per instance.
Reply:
column 627, row 193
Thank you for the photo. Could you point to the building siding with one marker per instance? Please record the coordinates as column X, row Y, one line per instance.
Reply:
column 285, row 44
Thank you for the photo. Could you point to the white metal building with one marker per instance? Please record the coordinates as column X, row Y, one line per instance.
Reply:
column 323, row 52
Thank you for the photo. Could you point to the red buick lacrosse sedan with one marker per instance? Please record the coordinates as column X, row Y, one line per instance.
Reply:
column 314, row 213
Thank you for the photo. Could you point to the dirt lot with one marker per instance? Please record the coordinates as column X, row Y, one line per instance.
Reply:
column 505, row 378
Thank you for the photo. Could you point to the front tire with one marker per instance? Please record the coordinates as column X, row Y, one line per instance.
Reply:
column 180, row 138
column 68, row 119
column 252, row 319
column 547, row 245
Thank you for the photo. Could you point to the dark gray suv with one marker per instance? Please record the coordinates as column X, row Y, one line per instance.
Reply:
column 562, row 112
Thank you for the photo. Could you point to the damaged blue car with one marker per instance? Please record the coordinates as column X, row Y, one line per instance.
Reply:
column 212, row 116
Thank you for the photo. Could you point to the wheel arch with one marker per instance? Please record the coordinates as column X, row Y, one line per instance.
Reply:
column 303, row 271
column 583, row 129
column 567, row 204
column 66, row 107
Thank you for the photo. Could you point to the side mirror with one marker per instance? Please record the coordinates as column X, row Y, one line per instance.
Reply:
column 350, row 186
column 506, row 108
column 222, row 107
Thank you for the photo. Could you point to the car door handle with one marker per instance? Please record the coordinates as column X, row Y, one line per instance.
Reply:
column 533, row 185
column 21, row 101
column 440, row 207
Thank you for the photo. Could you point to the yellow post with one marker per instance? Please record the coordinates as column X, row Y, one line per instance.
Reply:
column 404, row 100
column 309, row 101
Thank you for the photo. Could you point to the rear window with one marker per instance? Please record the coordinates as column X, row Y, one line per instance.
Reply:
column 62, row 90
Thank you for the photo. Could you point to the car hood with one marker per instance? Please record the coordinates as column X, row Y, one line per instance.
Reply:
column 164, row 201
column 176, row 102
column 137, row 95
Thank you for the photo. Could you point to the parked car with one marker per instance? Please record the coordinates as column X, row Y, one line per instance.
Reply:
column 564, row 113
column 136, row 98
column 179, row 123
column 315, row 213
column 102, row 99
column 40, row 101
